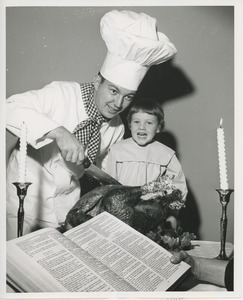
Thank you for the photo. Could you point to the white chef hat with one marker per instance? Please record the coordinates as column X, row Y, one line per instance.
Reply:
column 133, row 45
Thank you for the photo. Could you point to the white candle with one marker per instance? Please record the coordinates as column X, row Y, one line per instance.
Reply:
column 222, row 157
column 23, row 153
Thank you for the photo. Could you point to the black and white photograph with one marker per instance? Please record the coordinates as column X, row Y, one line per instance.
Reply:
column 121, row 142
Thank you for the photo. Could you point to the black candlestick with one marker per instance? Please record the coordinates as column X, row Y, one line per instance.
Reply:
column 224, row 197
column 21, row 192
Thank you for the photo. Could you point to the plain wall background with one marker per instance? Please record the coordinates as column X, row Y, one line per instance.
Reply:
column 196, row 89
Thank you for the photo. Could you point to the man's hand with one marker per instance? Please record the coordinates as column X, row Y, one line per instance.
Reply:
column 71, row 149
column 206, row 269
column 177, row 257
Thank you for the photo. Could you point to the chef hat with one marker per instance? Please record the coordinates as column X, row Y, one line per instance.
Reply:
column 133, row 45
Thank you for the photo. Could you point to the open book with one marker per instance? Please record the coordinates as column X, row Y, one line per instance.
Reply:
column 101, row 255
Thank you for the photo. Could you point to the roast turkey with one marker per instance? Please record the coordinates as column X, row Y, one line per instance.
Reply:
column 127, row 203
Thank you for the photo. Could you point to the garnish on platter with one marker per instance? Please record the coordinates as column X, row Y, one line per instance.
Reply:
column 171, row 239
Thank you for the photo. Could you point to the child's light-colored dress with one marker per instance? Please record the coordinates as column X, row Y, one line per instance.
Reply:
column 136, row 165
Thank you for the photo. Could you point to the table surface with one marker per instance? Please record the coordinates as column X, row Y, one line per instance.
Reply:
column 209, row 249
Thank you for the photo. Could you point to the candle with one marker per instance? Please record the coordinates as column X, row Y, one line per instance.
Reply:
column 222, row 157
column 23, row 153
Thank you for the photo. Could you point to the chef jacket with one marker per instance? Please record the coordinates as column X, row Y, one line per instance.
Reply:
column 134, row 165
column 55, row 184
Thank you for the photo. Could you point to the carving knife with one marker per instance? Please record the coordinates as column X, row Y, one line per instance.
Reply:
column 92, row 170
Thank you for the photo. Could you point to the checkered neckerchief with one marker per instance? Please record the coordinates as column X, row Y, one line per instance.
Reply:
column 87, row 131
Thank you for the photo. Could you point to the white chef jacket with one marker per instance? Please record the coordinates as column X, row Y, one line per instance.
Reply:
column 55, row 186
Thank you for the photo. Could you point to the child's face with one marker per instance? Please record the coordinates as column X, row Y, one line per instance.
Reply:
column 143, row 128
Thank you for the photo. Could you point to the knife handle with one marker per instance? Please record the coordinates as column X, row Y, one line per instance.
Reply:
column 86, row 163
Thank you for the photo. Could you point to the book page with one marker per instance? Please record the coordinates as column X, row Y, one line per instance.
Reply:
column 46, row 261
column 141, row 262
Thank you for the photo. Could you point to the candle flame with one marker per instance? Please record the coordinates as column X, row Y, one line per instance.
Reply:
column 221, row 123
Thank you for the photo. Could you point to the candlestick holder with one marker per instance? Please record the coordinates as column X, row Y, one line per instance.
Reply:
column 224, row 197
column 21, row 192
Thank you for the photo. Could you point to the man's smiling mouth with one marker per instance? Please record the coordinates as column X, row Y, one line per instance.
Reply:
column 113, row 110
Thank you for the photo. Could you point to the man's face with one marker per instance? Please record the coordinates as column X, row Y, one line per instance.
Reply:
column 111, row 99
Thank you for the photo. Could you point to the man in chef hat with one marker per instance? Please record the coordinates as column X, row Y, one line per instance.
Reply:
column 68, row 121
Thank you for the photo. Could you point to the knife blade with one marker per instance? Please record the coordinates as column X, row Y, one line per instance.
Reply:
column 92, row 170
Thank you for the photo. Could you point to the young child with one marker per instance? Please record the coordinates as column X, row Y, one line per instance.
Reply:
column 140, row 159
